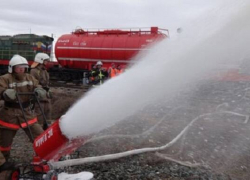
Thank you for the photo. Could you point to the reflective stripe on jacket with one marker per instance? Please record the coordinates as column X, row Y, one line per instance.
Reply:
column 5, row 148
column 15, row 126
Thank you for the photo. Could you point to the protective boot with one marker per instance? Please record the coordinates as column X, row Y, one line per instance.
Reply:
column 7, row 166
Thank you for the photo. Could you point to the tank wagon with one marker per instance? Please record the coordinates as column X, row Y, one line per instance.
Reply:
column 77, row 52
column 26, row 45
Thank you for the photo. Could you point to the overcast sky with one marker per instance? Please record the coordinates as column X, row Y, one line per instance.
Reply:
column 63, row 16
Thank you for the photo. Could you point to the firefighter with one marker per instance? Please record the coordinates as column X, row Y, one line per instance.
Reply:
column 119, row 69
column 112, row 72
column 100, row 74
column 39, row 71
column 91, row 74
column 11, row 115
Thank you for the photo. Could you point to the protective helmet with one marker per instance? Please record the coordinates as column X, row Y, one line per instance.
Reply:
column 99, row 63
column 39, row 59
column 17, row 60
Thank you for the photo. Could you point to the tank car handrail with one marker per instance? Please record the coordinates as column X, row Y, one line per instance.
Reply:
column 165, row 30
column 120, row 28
column 120, row 31
column 115, row 32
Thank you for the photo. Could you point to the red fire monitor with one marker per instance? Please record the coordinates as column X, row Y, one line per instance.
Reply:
column 52, row 144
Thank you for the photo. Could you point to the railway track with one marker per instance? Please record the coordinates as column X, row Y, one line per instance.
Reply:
column 69, row 86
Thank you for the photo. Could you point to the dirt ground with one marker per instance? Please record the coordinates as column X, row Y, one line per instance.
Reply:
column 218, row 140
column 63, row 99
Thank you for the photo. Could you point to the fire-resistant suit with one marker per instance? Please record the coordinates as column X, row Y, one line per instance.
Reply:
column 11, row 117
column 41, row 74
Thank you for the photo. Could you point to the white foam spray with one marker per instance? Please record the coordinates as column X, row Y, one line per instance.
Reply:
column 219, row 36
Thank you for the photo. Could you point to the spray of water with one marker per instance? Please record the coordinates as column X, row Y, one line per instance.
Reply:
column 220, row 36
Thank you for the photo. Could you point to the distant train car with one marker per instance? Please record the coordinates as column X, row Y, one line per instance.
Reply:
column 79, row 51
column 26, row 45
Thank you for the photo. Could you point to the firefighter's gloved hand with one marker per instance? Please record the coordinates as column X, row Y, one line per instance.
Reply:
column 9, row 95
column 41, row 93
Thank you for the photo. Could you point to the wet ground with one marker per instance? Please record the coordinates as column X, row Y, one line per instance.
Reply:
column 217, row 141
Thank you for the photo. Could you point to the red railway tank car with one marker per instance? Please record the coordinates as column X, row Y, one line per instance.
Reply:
column 77, row 52
column 81, row 49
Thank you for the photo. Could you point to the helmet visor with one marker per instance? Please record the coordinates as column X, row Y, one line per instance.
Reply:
column 22, row 66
